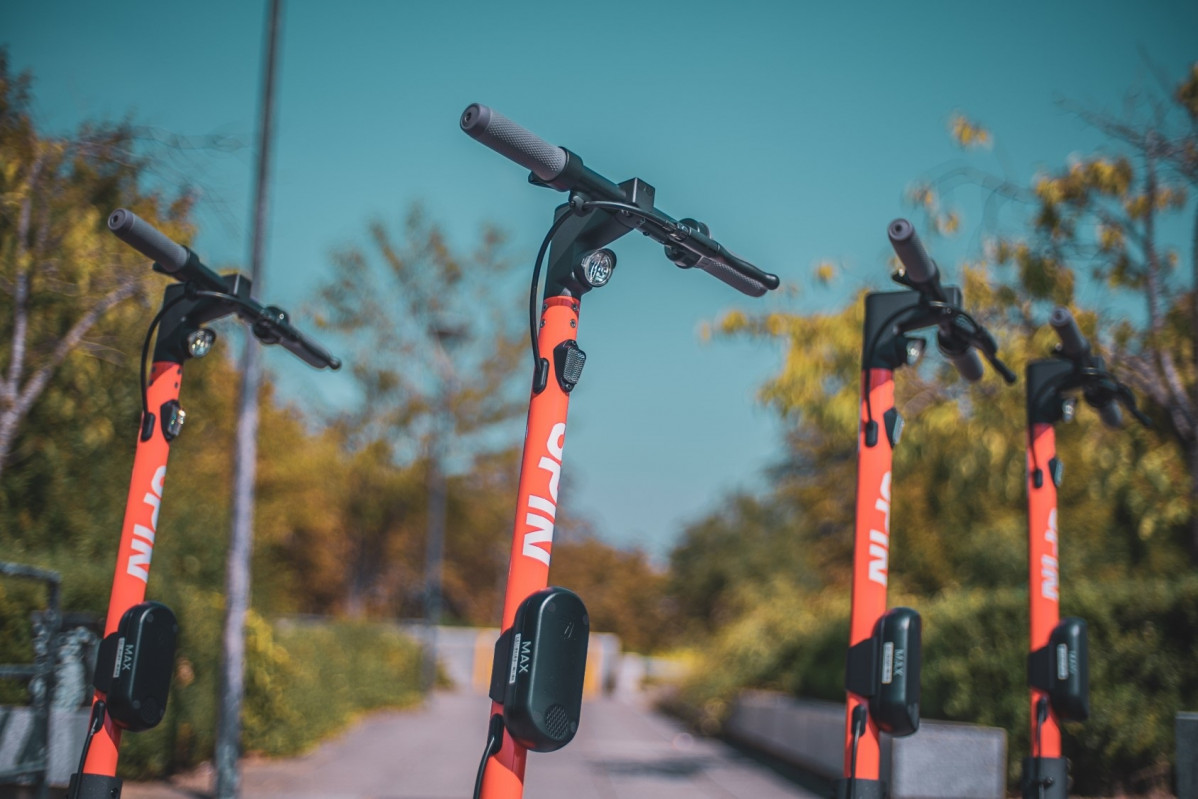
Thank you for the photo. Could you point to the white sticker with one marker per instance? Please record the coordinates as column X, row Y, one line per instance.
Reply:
column 1062, row 662
column 887, row 663
column 120, row 650
column 511, row 675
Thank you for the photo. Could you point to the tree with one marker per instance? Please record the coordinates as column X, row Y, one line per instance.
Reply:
column 623, row 593
column 1105, row 216
column 61, row 271
column 436, row 360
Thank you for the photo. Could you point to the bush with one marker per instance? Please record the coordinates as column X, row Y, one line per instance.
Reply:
column 302, row 684
column 1142, row 649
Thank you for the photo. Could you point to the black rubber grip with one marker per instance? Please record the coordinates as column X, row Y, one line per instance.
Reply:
column 919, row 266
column 311, row 353
column 963, row 357
column 736, row 278
column 272, row 327
column 512, row 141
column 1073, row 343
column 715, row 259
column 148, row 240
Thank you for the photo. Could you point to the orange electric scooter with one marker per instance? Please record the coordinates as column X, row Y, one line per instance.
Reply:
column 136, row 658
column 882, row 668
column 1058, row 673
column 536, row 680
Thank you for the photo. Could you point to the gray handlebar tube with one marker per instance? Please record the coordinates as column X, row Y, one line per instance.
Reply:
column 1073, row 343
column 510, row 140
column 148, row 240
column 919, row 266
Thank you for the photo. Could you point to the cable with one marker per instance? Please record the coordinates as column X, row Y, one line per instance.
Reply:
column 583, row 207
column 858, row 730
column 869, row 351
column 629, row 208
column 145, row 353
column 99, row 709
column 536, row 282
column 494, row 740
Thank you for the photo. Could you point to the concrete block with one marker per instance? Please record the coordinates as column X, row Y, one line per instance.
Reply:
column 1186, row 728
column 807, row 734
column 945, row 760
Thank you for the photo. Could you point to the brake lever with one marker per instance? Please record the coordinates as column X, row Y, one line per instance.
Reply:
column 1128, row 400
column 1007, row 375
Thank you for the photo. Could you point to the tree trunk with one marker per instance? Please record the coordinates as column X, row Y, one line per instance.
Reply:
column 8, row 430
column 1194, row 397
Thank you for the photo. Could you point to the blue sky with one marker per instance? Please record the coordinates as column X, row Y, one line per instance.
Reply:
column 792, row 129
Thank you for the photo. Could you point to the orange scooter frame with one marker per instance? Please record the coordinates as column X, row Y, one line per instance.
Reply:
column 200, row 297
column 871, row 559
column 882, row 686
column 536, row 512
column 598, row 212
column 1044, row 569
column 138, row 531
column 1058, row 674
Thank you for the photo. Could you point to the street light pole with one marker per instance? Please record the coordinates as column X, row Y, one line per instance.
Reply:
column 237, row 576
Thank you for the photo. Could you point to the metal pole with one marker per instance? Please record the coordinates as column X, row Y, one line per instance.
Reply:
column 237, row 576
column 437, row 499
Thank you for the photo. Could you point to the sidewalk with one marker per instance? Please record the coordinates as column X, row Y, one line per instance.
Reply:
column 623, row 751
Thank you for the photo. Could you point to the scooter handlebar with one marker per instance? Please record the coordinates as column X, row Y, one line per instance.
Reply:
column 964, row 358
column 698, row 249
column 548, row 162
column 919, row 266
column 739, row 274
column 270, row 324
column 510, row 140
column 1073, row 343
column 148, row 240
column 274, row 327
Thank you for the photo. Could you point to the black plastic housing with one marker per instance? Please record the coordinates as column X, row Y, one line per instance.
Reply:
column 540, row 665
column 885, row 669
column 895, row 706
column 1062, row 670
column 134, row 666
column 882, row 346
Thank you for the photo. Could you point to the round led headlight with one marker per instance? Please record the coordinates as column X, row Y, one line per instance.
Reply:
column 914, row 350
column 199, row 342
column 596, row 267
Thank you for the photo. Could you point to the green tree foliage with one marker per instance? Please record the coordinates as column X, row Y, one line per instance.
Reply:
column 623, row 593
column 436, row 361
column 1141, row 651
column 770, row 575
column 959, row 509
column 430, row 327
column 66, row 282
column 1106, row 217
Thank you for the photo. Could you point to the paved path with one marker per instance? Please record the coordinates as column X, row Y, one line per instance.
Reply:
column 623, row 751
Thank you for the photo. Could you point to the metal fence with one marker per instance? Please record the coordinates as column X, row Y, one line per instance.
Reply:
column 38, row 741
